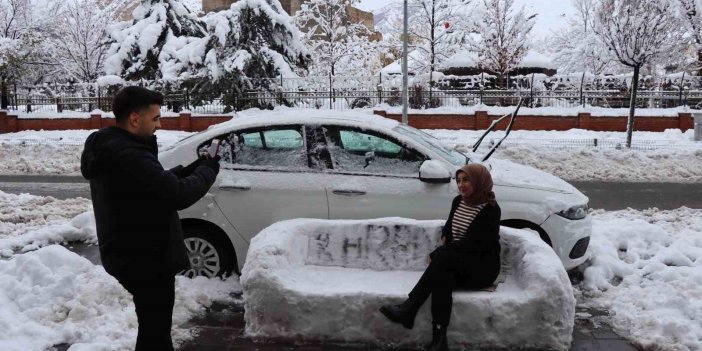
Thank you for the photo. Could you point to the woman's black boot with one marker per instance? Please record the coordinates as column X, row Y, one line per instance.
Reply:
column 434, row 337
column 403, row 313
column 439, row 342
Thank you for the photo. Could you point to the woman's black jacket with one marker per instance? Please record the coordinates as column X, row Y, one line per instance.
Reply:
column 481, row 243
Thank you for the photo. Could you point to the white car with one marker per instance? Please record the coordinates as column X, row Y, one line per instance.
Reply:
column 285, row 164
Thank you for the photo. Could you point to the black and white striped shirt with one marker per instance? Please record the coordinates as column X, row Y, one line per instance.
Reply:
column 462, row 219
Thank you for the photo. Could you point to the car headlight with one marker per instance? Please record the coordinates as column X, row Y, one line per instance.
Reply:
column 575, row 212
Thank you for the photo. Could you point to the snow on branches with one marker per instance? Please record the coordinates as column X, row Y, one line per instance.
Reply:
column 341, row 45
column 223, row 54
column 577, row 48
column 247, row 45
column 503, row 36
column 439, row 29
column 159, row 29
column 637, row 32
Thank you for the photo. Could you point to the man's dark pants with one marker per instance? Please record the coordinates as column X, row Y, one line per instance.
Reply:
column 154, row 296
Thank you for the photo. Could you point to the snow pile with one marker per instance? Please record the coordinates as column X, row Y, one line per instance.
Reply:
column 645, row 267
column 317, row 279
column 670, row 156
column 53, row 296
column 542, row 111
column 28, row 222
column 54, row 152
column 664, row 165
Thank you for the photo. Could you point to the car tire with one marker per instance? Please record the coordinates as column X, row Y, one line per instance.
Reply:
column 208, row 252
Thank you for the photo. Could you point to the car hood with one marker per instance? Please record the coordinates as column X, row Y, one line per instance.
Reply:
column 507, row 173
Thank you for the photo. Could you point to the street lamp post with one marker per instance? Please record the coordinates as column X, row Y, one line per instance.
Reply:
column 405, row 94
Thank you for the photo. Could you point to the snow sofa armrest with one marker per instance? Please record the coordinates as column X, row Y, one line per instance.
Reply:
column 325, row 280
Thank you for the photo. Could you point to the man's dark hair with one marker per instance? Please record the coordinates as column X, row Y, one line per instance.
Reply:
column 134, row 99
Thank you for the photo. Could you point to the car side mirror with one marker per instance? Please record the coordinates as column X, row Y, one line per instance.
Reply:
column 433, row 171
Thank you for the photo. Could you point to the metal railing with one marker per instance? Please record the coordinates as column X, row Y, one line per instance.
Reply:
column 419, row 98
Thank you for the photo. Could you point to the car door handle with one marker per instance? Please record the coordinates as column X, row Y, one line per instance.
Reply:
column 349, row 192
column 235, row 187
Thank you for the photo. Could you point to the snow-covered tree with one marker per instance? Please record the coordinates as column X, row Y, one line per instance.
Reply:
column 341, row 45
column 24, row 26
column 159, row 30
column 503, row 36
column 248, row 45
column 439, row 29
column 637, row 32
column 577, row 48
column 691, row 13
column 79, row 39
column 10, row 56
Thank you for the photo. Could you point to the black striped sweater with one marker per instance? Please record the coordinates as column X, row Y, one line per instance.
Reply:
column 462, row 218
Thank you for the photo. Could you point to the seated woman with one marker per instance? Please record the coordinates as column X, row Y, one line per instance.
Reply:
column 469, row 256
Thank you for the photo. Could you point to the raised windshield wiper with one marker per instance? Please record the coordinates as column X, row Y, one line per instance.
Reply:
column 509, row 129
column 488, row 130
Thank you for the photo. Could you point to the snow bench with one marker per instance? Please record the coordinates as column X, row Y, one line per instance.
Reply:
column 325, row 280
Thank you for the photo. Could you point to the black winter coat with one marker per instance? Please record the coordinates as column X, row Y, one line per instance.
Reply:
column 482, row 243
column 136, row 202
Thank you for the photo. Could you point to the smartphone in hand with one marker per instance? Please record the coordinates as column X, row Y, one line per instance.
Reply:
column 214, row 148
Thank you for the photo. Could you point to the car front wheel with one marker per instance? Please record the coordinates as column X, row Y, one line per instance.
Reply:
column 208, row 255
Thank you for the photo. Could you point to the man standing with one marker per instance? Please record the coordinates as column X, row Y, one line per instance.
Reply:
column 135, row 203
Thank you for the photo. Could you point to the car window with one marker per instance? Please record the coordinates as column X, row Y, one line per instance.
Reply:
column 433, row 143
column 360, row 142
column 265, row 147
column 371, row 152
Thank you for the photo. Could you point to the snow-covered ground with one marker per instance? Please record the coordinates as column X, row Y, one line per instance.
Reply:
column 644, row 268
column 28, row 221
column 54, row 152
column 51, row 295
column 670, row 156
column 542, row 111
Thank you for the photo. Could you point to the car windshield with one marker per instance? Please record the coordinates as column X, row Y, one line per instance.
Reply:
column 179, row 142
column 433, row 143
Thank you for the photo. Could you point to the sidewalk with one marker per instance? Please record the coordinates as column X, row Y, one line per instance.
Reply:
column 222, row 329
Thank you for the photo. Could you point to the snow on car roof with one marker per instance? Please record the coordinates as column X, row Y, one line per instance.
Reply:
column 256, row 117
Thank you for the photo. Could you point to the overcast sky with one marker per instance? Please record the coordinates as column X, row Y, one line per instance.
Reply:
column 371, row 5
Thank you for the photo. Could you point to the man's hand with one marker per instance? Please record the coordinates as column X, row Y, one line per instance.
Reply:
column 212, row 163
column 189, row 169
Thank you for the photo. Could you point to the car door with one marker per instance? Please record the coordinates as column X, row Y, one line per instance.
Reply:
column 266, row 177
column 372, row 175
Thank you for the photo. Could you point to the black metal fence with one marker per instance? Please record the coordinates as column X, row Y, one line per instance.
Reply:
column 419, row 98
